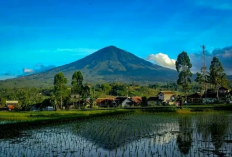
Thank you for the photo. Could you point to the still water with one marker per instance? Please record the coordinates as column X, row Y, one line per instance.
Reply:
column 136, row 134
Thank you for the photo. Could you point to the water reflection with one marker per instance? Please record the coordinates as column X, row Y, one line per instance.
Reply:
column 184, row 139
column 214, row 129
column 9, row 132
column 125, row 135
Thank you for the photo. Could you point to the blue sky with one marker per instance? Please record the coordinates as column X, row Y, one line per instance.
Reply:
column 51, row 32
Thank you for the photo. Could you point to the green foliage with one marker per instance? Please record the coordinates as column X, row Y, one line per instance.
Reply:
column 183, row 66
column 60, row 87
column 3, row 102
column 77, row 80
column 217, row 75
column 144, row 101
column 85, row 93
column 203, row 78
column 106, row 88
column 230, row 84
column 25, row 96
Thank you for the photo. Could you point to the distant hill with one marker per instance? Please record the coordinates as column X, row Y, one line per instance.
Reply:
column 109, row 64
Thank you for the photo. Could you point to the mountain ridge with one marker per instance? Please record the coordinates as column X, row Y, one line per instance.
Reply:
column 109, row 64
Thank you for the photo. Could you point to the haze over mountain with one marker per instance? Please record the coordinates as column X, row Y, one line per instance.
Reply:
column 109, row 64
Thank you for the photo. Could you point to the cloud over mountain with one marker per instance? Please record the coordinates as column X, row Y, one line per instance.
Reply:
column 38, row 68
column 162, row 59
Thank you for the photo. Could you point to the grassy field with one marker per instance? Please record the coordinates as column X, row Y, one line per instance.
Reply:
column 54, row 115
column 42, row 116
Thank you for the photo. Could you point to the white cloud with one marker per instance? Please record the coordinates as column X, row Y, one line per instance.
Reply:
column 25, row 70
column 162, row 60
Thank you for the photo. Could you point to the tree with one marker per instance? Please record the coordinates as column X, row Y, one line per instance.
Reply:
column 203, row 78
column 230, row 84
column 106, row 88
column 85, row 93
column 77, row 86
column 217, row 75
column 60, row 87
column 183, row 66
column 3, row 102
column 144, row 101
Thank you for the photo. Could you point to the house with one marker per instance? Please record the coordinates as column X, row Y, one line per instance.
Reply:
column 83, row 103
column 209, row 97
column 166, row 96
column 106, row 102
column 137, row 100
column 11, row 104
column 46, row 105
column 36, row 107
column 223, row 90
column 195, row 98
column 75, row 96
column 230, row 97
column 41, row 107
column 153, row 101
column 124, row 101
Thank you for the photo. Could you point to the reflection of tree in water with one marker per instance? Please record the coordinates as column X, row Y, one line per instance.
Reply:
column 215, row 127
column 184, row 139
column 10, row 132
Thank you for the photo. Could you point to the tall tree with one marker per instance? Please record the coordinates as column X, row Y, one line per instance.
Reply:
column 60, row 87
column 77, row 86
column 203, row 78
column 85, row 93
column 217, row 75
column 183, row 66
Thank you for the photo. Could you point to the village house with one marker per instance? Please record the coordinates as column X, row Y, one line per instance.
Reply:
column 75, row 96
column 11, row 105
column 106, row 102
column 195, row 98
column 153, row 101
column 41, row 107
column 83, row 103
column 124, row 101
column 137, row 100
column 209, row 98
column 46, row 105
column 230, row 101
column 223, row 90
column 166, row 96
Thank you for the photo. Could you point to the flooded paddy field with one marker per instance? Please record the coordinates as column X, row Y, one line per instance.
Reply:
column 131, row 134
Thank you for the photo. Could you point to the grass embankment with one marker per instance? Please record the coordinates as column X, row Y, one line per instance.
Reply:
column 45, row 116
column 187, row 108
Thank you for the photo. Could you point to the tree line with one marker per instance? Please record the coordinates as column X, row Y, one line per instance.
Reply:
column 214, row 78
column 60, row 95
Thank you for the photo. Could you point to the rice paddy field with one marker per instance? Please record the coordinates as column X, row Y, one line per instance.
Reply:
column 129, row 134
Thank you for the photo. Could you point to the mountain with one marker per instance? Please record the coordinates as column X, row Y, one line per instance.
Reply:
column 109, row 64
